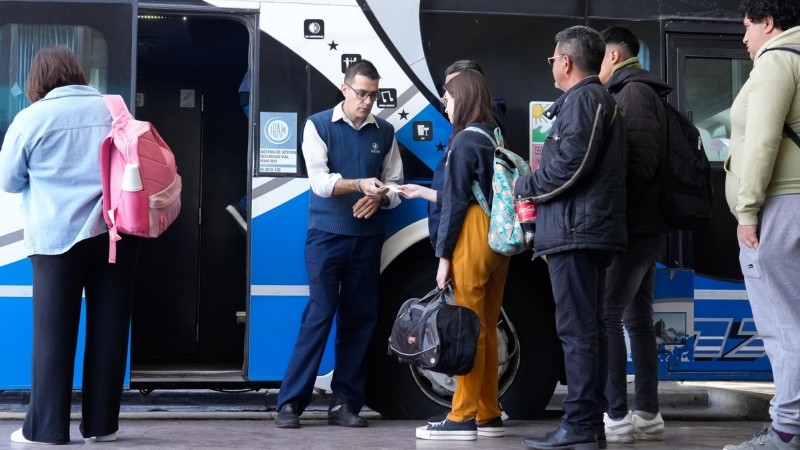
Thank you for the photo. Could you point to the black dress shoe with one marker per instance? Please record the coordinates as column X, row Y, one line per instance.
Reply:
column 562, row 439
column 602, row 442
column 287, row 416
column 342, row 416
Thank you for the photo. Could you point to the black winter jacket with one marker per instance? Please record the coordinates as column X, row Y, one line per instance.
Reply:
column 580, row 183
column 638, row 94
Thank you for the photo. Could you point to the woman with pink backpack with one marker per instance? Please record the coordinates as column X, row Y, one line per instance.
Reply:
column 51, row 154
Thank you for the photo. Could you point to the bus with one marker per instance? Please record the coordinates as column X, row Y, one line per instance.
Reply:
column 219, row 307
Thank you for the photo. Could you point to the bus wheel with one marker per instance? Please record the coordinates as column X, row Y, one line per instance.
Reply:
column 528, row 350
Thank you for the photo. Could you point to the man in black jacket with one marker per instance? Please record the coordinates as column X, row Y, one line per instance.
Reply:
column 580, row 191
column 629, row 282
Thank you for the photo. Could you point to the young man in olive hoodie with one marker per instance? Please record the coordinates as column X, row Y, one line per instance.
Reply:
column 763, row 191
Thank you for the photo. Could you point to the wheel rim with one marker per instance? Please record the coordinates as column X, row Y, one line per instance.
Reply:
column 439, row 387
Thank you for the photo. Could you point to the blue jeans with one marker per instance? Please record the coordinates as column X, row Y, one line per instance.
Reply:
column 343, row 280
column 578, row 279
column 629, row 301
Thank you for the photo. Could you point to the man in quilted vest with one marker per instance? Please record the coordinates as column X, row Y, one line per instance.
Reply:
column 351, row 155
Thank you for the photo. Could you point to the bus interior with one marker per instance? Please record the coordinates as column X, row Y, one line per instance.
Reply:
column 188, row 74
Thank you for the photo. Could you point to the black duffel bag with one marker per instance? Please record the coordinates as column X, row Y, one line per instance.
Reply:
column 436, row 334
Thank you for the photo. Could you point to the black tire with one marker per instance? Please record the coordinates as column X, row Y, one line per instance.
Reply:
column 528, row 304
column 399, row 391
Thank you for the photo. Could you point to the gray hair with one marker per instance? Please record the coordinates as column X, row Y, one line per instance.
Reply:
column 584, row 46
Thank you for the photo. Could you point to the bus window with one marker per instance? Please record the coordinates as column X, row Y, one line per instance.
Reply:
column 20, row 42
column 711, row 85
column 706, row 72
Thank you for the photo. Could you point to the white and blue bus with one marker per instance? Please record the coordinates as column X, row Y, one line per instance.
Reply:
column 220, row 308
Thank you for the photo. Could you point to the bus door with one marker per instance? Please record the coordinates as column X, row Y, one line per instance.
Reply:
column 714, row 337
column 101, row 35
column 192, row 281
column 706, row 70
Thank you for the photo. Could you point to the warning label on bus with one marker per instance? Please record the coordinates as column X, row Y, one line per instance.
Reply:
column 277, row 151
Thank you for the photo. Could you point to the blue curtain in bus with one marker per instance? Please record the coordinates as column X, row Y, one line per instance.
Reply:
column 19, row 44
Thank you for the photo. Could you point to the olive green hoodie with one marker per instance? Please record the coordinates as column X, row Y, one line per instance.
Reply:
column 763, row 162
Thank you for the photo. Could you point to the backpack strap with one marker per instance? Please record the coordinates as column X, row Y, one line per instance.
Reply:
column 476, row 188
column 786, row 128
column 120, row 115
column 119, row 110
column 791, row 133
column 488, row 136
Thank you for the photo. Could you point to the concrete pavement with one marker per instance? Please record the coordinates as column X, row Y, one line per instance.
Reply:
column 699, row 415
column 315, row 434
column 679, row 401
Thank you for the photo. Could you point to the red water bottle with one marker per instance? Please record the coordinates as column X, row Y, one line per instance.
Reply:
column 526, row 215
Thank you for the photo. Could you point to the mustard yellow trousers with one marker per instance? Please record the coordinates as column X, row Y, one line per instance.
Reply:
column 478, row 277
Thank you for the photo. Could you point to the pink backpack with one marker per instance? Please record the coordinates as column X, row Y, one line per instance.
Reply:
column 141, row 185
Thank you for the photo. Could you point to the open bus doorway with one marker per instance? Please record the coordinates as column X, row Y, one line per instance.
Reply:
column 192, row 281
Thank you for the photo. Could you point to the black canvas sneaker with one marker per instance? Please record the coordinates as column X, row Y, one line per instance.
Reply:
column 448, row 430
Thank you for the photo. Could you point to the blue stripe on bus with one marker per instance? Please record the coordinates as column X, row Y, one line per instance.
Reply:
column 674, row 284
column 17, row 273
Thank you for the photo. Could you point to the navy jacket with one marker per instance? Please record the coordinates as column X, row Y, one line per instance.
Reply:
column 580, row 184
column 470, row 157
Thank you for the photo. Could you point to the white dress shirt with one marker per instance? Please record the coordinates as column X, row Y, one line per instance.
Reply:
column 315, row 152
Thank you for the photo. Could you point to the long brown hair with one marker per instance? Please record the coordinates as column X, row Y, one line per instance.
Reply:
column 470, row 90
column 53, row 67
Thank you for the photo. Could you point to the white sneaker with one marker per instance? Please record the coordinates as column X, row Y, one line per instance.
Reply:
column 20, row 439
column 620, row 431
column 648, row 430
column 106, row 438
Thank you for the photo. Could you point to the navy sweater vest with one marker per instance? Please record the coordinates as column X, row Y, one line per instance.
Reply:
column 353, row 154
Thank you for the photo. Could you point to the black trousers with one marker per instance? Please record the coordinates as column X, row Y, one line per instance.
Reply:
column 58, row 284
column 578, row 279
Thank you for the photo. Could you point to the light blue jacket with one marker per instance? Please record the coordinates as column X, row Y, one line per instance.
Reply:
column 51, row 153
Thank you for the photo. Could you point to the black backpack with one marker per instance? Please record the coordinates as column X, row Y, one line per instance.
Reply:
column 686, row 175
column 434, row 333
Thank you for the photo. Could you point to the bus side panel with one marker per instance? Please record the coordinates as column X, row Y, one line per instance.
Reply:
column 16, row 322
column 272, row 336
column 279, row 285
column 16, row 317
column 705, row 329
column 16, row 327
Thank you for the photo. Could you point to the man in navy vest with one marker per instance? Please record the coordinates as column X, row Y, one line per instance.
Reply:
column 351, row 157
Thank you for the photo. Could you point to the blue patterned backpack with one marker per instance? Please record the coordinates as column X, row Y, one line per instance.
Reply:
column 505, row 233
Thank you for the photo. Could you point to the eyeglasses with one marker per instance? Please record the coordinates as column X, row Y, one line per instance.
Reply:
column 363, row 95
column 552, row 59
